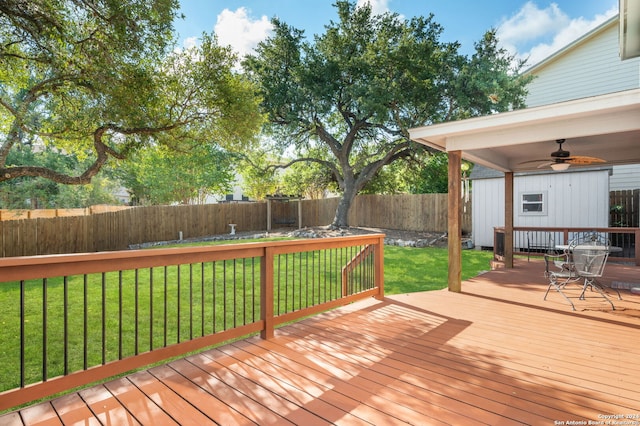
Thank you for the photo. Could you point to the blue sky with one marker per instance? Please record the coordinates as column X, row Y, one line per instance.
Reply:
column 533, row 29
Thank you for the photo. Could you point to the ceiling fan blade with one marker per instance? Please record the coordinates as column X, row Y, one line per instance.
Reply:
column 582, row 159
column 535, row 161
column 561, row 156
column 545, row 164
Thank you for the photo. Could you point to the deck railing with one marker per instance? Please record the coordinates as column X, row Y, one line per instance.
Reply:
column 532, row 241
column 70, row 320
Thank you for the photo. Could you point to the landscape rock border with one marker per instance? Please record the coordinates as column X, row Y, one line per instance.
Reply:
column 393, row 237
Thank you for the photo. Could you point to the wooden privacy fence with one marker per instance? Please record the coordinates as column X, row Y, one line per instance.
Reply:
column 16, row 214
column 420, row 212
column 118, row 230
column 624, row 208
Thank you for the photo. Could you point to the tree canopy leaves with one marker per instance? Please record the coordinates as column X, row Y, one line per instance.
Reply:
column 163, row 176
column 357, row 89
column 100, row 79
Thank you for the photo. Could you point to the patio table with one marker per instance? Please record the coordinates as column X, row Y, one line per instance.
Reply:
column 612, row 249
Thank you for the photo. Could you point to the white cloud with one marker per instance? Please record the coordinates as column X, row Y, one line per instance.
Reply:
column 239, row 31
column 190, row 42
column 378, row 7
column 531, row 23
column 536, row 33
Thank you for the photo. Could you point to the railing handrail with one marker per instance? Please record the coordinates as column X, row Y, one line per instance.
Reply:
column 567, row 230
column 55, row 265
column 622, row 230
column 21, row 269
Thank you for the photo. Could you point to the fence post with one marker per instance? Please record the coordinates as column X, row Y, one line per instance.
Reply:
column 266, row 293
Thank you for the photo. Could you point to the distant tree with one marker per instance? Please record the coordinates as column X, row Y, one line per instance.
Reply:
column 309, row 180
column 258, row 179
column 161, row 176
column 356, row 90
column 394, row 178
column 432, row 175
column 100, row 79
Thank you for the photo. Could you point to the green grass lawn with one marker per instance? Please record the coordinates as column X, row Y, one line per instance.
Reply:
column 409, row 269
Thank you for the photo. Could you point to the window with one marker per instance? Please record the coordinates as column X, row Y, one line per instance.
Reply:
column 533, row 203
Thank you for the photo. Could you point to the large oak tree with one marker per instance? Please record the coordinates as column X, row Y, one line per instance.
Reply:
column 100, row 79
column 346, row 99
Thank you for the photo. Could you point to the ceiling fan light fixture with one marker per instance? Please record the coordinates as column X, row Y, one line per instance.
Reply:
column 558, row 167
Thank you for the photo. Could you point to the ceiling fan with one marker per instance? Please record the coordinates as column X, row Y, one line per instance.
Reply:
column 561, row 159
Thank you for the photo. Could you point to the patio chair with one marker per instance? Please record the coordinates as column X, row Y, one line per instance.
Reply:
column 560, row 271
column 589, row 260
column 583, row 261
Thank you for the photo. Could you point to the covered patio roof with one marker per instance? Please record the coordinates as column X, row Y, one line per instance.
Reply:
column 606, row 126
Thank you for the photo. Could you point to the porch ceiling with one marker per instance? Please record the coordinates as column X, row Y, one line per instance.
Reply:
column 606, row 126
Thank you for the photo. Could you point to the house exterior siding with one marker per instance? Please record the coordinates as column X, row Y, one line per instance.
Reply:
column 625, row 177
column 578, row 199
column 589, row 67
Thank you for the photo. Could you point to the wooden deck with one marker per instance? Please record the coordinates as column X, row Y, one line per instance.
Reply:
column 494, row 354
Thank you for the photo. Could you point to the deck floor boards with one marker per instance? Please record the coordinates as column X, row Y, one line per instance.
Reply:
column 495, row 354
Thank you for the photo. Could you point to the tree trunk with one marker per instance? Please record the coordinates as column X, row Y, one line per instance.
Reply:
column 341, row 219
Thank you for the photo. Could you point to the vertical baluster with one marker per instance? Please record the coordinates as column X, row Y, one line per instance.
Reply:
column 235, row 293
column 338, row 271
column 191, row 301
column 313, row 278
column 22, row 333
column 202, row 308
column 253, row 289
column 373, row 266
column 151, row 316
column 178, row 306
column 215, row 296
column 329, row 272
column 44, row 330
column 326, row 272
column 349, row 275
column 85, row 331
column 367, row 270
column 136, row 313
column 293, row 283
column 224, row 294
column 104, row 318
column 278, row 284
column 120, row 313
column 244, row 291
column 359, row 268
column 65, row 326
column 286, row 281
column 298, row 285
column 166, row 294
column 306, row 280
